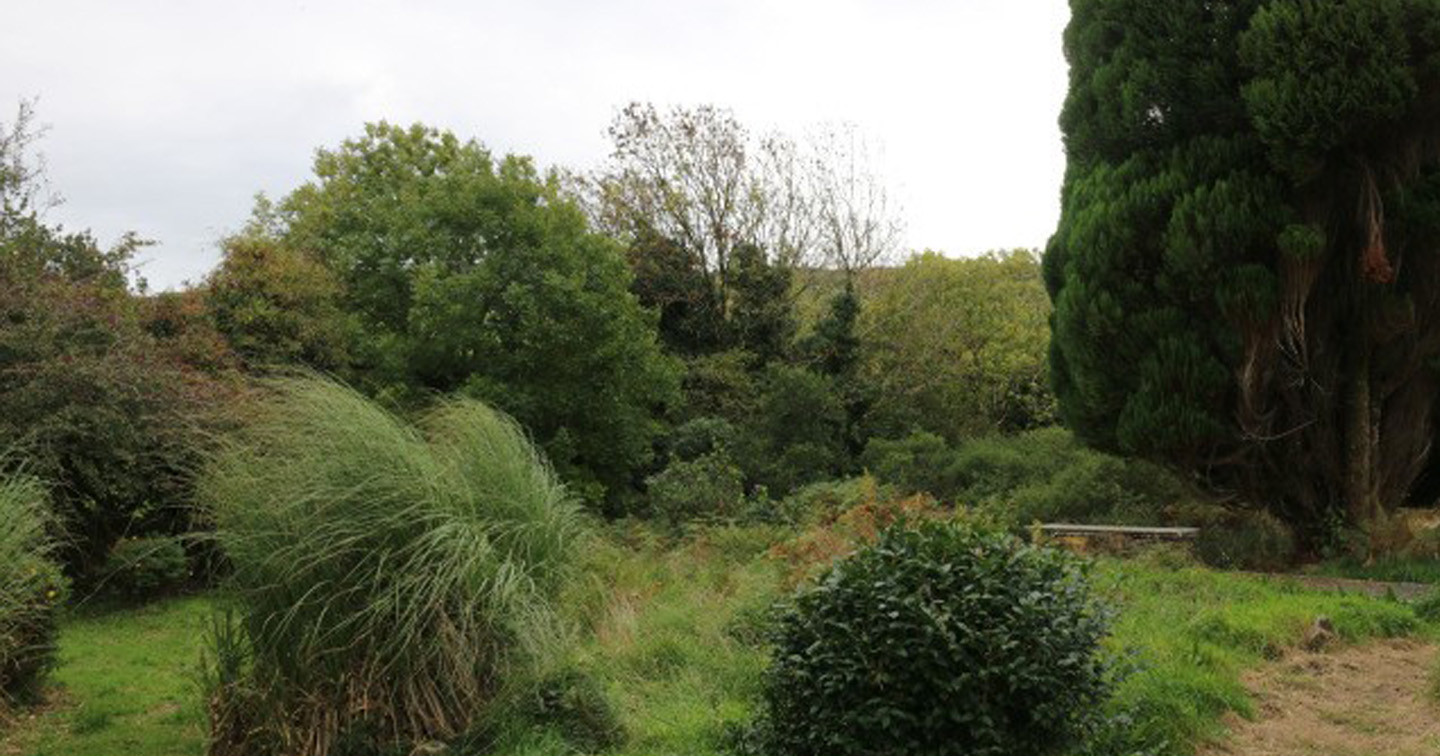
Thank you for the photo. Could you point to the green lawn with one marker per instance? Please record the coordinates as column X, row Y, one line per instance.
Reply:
column 125, row 685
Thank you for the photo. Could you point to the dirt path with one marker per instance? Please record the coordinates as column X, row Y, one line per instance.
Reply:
column 1364, row 701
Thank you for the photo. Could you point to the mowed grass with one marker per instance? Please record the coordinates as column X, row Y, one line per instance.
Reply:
column 125, row 685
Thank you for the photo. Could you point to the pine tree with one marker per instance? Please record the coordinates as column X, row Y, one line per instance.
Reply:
column 1246, row 272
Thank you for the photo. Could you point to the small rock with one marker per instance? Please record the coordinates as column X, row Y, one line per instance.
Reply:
column 1319, row 635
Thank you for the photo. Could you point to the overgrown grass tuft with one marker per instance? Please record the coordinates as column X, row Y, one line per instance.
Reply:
column 1388, row 568
column 31, row 588
column 392, row 579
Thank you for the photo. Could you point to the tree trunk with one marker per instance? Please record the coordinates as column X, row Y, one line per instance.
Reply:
column 1360, row 491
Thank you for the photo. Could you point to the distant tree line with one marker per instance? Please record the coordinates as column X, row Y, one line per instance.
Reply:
column 709, row 309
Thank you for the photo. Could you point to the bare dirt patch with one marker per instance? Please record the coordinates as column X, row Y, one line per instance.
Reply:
column 1362, row 701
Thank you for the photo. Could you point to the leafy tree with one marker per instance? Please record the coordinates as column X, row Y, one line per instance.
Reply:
column 762, row 315
column 797, row 435
column 834, row 346
column 710, row 200
column 957, row 346
column 464, row 272
column 722, row 385
column 105, row 390
column 278, row 306
column 1244, row 275
column 700, row 178
column 669, row 279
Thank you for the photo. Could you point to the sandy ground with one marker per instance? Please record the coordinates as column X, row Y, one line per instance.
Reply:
column 1368, row 700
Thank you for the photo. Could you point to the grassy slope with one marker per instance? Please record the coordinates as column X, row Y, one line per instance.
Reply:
column 1192, row 631
column 125, row 685
column 669, row 633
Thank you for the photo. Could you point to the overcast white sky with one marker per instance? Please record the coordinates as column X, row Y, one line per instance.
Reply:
column 166, row 117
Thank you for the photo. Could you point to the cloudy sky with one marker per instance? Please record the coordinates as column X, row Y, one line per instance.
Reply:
column 167, row 117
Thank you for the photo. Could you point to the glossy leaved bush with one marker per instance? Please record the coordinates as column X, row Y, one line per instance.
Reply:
column 941, row 639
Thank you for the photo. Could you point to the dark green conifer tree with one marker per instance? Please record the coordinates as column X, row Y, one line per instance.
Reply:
column 1246, row 272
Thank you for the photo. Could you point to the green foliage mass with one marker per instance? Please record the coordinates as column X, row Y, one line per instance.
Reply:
column 797, row 435
column 144, row 568
column 708, row 486
column 31, row 590
column 939, row 640
column 957, row 347
column 278, row 306
column 1044, row 475
column 392, row 581
column 107, row 391
column 1244, row 272
column 466, row 272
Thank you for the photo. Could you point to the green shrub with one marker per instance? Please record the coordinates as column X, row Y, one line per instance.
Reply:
column 798, row 434
column 1099, row 488
column 31, row 589
column 105, row 390
column 827, row 499
column 915, row 463
column 702, row 435
column 1046, row 475
column 989, row 468
column 142, row 568
column 1428, row 607
column 1246, row 540
column 390, row 580
column 710, row 486
column 939, row 640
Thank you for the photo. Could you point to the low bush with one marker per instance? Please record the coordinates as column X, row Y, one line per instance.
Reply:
column 1046, row 475
column 710, row 486
column 1099, row 488
column 1246, row 540
column 143, row 568
column 31, row 590
column 391, row 582
column 822, row 502
column 703, row 435
column 938, row 640
column 986, row 469
column 918, row 462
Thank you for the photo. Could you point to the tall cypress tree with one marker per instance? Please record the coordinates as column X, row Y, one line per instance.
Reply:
column 1246, row 272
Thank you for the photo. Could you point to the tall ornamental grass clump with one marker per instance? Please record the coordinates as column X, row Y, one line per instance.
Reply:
column 31, row 588
column 391, row 579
